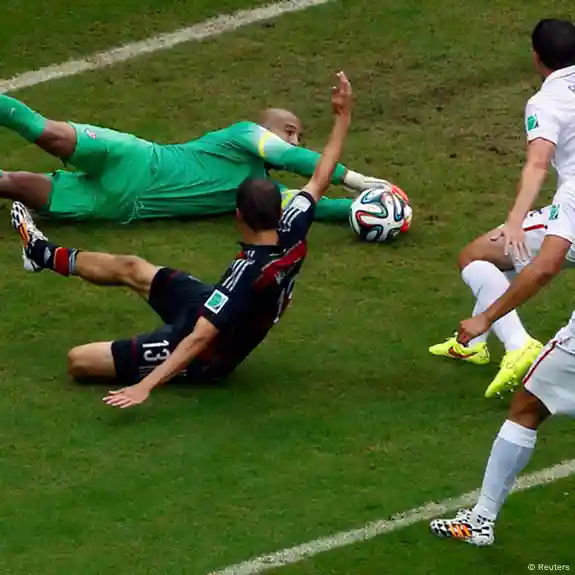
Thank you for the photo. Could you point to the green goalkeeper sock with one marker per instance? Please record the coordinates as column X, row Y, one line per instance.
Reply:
column 333, row 209
column 18, row 117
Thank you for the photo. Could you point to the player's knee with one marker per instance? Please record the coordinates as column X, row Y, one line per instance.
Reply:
column 527, row 410
column 478, row 249
column 135, row 272
column 79, row 364
column 468, row 254
column 92, row 361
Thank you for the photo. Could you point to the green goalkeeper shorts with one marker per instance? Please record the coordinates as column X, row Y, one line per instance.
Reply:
column 115, row 170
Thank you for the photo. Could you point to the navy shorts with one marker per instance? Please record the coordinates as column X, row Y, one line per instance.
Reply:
column 173, row 294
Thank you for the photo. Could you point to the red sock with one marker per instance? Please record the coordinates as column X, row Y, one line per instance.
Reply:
column 64, row 260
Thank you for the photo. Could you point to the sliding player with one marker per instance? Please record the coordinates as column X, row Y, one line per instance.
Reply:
column 208, row 330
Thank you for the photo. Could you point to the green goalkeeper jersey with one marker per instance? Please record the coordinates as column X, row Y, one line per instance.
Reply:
column 201, row 177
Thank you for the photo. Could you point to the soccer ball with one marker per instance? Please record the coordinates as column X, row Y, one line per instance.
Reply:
column 380, row 214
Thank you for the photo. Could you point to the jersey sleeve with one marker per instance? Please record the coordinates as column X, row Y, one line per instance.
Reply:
column 230, row 300
column 297, row 219
column 278, row 154
column 541, row 121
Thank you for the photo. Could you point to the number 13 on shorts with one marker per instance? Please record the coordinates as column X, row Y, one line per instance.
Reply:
column 156, row 352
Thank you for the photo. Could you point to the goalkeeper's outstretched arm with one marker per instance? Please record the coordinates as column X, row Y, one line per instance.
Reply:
column 279, row 154
column 297, row 160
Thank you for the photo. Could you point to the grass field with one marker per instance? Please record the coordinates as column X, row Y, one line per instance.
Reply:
column 341, row 417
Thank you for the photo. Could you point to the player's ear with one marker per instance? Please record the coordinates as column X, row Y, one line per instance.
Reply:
column 239, row 216
column 537, row 63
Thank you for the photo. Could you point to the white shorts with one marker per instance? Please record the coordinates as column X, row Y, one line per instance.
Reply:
column 537, row 224
column 535, row 228
column 552, row 376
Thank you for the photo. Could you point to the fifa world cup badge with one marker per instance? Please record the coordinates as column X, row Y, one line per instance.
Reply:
column 532, row 123
column 554, row 212
column 216, row 301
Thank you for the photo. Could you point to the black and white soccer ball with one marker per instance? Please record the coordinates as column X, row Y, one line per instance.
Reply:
column 380, row 214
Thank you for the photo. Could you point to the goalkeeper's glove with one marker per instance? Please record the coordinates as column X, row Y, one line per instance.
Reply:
column 359, row 182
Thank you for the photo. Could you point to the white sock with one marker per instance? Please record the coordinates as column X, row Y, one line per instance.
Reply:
column 511, row 451
column 488, row 283
column 483, row 337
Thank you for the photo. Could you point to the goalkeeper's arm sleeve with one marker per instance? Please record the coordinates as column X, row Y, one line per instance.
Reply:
column 299, row 161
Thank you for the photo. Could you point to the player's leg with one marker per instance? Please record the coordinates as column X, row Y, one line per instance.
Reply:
column 482, row 264
column 111, row 270
column 33, row 190
column 135, row 358
column 333, row 209
column 548, row 390
column 173, row 292
column 488, row 282
column 56, row 138
column 486, row 269
column 484, row 249
column 97, row 268
column 86, row 147
column 127, row 361
column 327, row 209
column 92, row 361
column 167, row 291
column 64, row 195
column 510, row 453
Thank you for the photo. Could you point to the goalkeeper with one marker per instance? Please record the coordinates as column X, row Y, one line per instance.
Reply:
column 122, row 177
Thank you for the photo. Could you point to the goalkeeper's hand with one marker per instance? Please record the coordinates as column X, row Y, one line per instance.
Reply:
column 358, row 182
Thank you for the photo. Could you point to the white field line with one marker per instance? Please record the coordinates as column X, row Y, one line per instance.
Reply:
column 371, row 530
column 207, row 29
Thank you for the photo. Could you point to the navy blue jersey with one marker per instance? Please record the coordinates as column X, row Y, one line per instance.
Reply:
column 256, row 289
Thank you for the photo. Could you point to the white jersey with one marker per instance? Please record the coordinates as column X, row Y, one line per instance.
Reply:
column 550, row 114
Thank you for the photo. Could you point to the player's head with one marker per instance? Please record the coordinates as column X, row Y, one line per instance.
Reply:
column 282, row 123
column 553, row 44
column 258, row 205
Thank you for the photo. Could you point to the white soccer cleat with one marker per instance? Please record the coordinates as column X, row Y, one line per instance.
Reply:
column 23, row 223
column 465, row 526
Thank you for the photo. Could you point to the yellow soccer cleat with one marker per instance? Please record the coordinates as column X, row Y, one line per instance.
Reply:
column 514, row 365
column 477, row 355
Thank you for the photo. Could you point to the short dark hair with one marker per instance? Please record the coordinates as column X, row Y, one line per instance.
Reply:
column 259, row 202
column 554, row 42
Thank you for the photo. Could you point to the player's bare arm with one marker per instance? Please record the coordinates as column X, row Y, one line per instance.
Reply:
column 186, row 351
column 539, row 155
column 341, row 99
